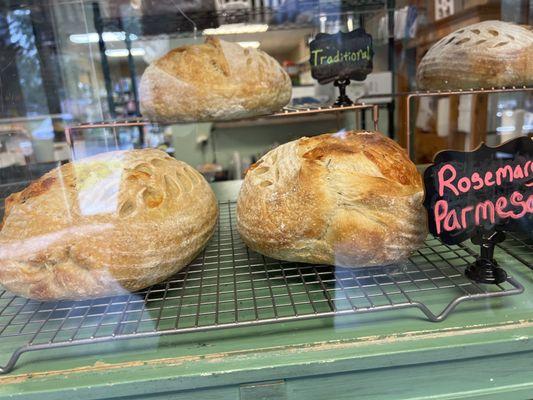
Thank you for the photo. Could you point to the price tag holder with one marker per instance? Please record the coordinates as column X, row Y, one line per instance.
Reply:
column 340, row 57
column 480, row 195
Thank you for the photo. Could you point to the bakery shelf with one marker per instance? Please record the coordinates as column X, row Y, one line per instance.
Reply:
column 286, row 112
column 230, row 286
column 453, row 91
column 487, row 90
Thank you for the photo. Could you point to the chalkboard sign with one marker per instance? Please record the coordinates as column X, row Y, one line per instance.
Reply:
column 341, row 56
column 471, row 194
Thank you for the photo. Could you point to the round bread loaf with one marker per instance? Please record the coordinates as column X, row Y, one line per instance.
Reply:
column 350, row 199
column 213, row 81
column 104, row 225
column 483, row 55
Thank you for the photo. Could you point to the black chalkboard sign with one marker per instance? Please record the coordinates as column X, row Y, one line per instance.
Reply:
column 341, row 56
column 474, row 194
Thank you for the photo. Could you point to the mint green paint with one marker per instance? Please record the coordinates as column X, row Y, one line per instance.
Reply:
column 263, row 390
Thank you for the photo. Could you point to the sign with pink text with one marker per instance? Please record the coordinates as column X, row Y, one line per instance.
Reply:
column 482, row 191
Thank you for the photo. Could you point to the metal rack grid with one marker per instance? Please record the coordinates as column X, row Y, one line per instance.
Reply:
column 230, row 286
column 520, row 246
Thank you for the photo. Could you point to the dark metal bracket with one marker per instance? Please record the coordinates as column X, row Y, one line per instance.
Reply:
column 343, row 99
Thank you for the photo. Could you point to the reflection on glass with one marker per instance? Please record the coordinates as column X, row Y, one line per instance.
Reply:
column 98, row 185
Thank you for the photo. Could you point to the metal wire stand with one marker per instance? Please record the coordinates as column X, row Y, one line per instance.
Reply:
column 72, row 131
column 229, row 286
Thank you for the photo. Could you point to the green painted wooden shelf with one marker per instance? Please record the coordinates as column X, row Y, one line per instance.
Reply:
column 483, row 350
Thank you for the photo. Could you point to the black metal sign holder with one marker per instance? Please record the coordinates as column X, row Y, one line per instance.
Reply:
column 485, row 269
column 343, row 99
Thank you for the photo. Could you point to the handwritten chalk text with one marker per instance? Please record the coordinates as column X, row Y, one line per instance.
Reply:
column 344, row 56
column 452, row 185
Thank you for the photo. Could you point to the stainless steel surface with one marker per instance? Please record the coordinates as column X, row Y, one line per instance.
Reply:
column 230, row 286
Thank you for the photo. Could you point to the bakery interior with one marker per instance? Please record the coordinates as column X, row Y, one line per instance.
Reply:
column 77, row 83
column 248, row 313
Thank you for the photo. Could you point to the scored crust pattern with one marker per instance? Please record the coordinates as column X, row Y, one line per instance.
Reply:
column 350, row 200
column 483, row 55
column 108, row 224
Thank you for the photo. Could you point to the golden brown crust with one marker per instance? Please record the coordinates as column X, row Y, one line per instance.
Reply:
column 108, row 224
column 350, row 199
column 216, row 80
column 483, row 55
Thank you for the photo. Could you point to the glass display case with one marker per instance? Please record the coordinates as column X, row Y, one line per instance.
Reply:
column 266, row 199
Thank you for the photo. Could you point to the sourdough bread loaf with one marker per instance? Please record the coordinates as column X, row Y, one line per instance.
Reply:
column 483, row 55
column 213, row 81
column 350, row 199
column 109, row 224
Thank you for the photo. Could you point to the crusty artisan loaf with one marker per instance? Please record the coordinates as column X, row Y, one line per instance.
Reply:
column 490, row 53
column 350, row 199
column 213, row 81
column 104, row 225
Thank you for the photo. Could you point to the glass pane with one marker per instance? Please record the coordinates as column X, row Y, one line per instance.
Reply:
column 173, row 167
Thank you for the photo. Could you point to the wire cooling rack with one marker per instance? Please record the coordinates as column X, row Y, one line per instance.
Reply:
column 520, row 246
column 229, row 286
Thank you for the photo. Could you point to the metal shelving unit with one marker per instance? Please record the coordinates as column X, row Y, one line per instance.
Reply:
column 230, row 286
column 71, row 131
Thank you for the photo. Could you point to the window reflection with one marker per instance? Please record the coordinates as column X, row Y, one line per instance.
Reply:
column 98, row 185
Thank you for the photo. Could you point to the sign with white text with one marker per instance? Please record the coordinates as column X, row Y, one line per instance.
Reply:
column 488, row 189
column 341, row 56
